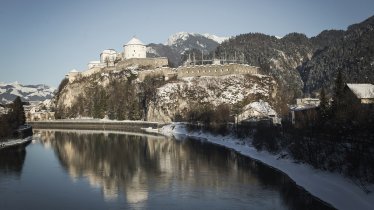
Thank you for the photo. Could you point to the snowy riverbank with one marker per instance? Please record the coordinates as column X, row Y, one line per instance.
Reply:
column 10, row 143
column 332, row 188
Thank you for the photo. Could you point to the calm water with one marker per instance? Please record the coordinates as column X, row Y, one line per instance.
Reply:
column 86, row 170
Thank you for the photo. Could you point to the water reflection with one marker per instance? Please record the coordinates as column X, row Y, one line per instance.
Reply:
column 11, row 162
column 145, row 168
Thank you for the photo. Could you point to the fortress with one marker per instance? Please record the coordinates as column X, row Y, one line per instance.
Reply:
column 135, row 54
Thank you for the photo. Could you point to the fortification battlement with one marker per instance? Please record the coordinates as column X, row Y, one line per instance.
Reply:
column 180, row 72
column 217, row 70
column 151, row 63
column 201, row 70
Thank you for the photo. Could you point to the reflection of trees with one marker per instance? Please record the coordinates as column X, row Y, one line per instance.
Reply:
column 11, row 162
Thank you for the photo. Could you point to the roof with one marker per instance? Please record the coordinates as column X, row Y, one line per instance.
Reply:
column 302, row 107
column 109, row 51
column 73, row 71
column 362, row 90
column 135, row 41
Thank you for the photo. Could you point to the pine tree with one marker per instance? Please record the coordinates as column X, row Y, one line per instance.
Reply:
column 324, row 105
column 338, row 101
column 18, row 113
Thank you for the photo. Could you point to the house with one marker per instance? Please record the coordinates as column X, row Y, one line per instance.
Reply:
column 362, row 94
column 305, row 112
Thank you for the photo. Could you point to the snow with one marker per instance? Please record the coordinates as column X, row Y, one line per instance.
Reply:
column 215, row 38
column 24, row 91
column 362, row 90
column 151, row 50
column 173, row 39
column 258, row 109
column 330, row 187
column 135, row 41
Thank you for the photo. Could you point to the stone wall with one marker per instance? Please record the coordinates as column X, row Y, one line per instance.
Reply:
column 216, row 70
column 156, row 69
column 200, row 70
column 164, row 71
column 144, row 62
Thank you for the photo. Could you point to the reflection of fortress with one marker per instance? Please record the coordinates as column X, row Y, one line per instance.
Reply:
column 135, row 55
column 125, row 164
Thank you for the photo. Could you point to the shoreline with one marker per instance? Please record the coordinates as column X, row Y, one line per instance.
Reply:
column 97, row 124
column 15, row 143
column 331, row 188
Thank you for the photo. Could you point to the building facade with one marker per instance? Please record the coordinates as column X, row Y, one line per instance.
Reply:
column 134, row 49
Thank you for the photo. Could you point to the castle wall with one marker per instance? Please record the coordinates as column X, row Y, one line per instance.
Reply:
column 71, row 76
column 91, row 71
column 204, row 70
column 156, row 69
column 165, row 71
column 145, row 62
column 216, row 70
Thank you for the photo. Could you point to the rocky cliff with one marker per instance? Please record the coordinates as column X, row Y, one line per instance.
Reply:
column 119, row 95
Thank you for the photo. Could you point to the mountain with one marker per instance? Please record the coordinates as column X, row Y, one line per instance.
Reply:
column 181, row 42
column 278, row 57
column 303, row 65
column 8, row 92
column 350, row 51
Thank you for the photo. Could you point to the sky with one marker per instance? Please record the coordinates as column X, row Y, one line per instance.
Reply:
column 42, row 40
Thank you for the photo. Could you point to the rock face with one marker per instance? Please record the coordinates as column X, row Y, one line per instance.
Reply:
column 177, row 97
column 119, row 95
column 277, row 57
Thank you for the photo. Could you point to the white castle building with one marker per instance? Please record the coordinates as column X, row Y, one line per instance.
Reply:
column 108, row 57
column 134, row 54
column 134, row 49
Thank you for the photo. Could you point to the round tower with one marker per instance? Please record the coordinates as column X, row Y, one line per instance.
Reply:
column 135, row 49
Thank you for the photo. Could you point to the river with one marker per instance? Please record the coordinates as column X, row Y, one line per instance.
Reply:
column 72, row 169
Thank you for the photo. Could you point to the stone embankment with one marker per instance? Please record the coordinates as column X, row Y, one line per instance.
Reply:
column 78, row 124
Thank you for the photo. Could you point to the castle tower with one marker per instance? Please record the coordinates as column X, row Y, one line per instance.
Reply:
column 107, row 57
column 135, row 49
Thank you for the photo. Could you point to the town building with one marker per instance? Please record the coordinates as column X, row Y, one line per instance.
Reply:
column 108, row 57
column 360, row 93
column 304, row 112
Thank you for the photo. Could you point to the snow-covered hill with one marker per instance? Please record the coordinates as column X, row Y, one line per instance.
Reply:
column 183, row 41
column 184, row 36
column 9, row 91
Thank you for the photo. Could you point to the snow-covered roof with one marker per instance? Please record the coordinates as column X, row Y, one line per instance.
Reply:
column 94, row 62
column 109, row 51
column 73, row 71
column 135, row 41
column 362, row 90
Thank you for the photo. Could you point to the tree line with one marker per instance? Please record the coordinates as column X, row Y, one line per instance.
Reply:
column 10, row 122
column 121, row 99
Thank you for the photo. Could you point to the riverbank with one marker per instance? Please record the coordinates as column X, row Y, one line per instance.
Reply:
column 15, row 143
column 330, row 187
